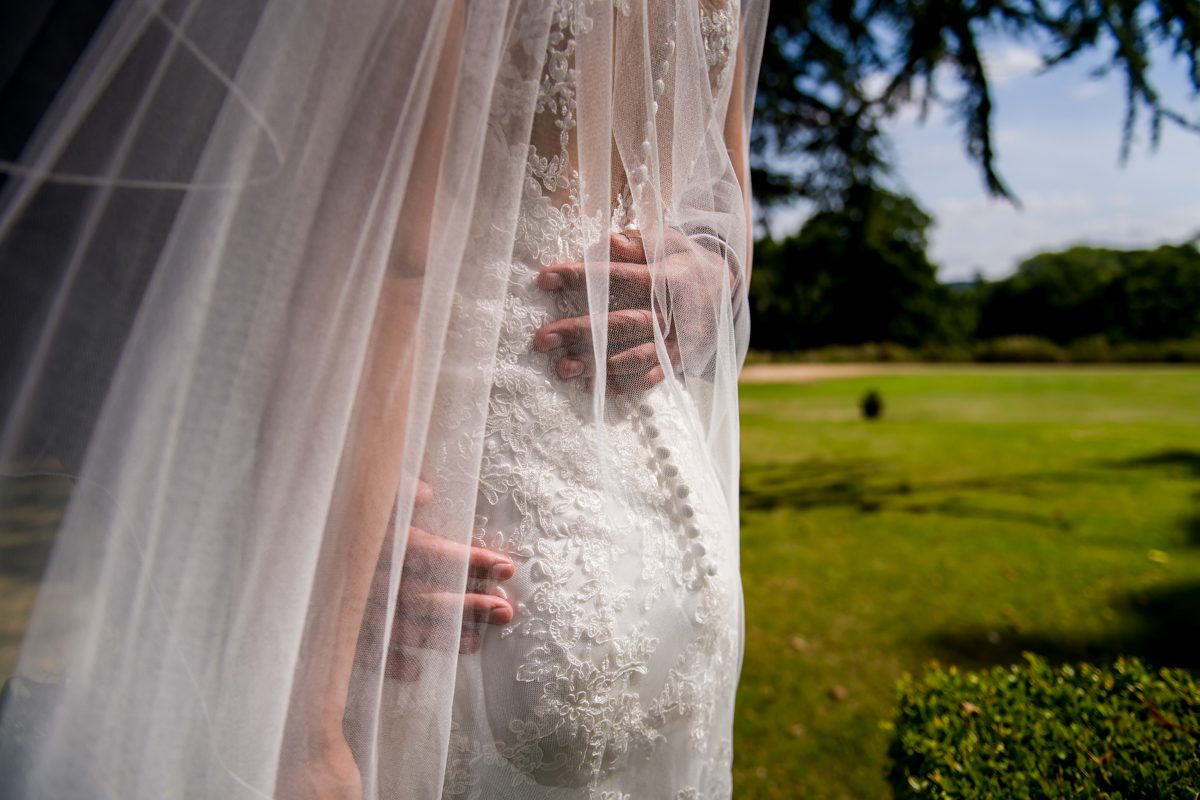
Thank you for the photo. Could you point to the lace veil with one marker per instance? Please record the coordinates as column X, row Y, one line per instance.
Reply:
column 254, row 264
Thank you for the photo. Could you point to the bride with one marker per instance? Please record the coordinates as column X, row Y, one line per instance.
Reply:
column 391, row 350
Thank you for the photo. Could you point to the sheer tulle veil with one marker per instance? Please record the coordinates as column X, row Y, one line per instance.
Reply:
column 249, row 264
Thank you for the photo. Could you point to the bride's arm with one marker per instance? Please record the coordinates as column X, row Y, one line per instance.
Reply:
column 737, row 142
column 317, row 762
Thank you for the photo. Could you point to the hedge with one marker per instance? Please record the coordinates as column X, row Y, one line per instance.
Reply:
column 1038, row 731
column 1008, row 350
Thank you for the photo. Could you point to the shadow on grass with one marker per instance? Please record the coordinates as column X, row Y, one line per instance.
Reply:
column 863, row 485
column 1172, row 460
column 1161, row 626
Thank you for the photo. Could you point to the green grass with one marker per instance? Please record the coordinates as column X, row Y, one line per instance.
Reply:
column 987, row 513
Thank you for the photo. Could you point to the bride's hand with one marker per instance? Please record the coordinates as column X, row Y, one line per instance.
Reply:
column 694, row 279
column 429, row 599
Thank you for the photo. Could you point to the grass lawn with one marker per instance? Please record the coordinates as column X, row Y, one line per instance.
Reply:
column 987, row 513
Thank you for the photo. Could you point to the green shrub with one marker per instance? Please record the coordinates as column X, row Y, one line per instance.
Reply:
column 1183, row 351
column 947, row 353
column 872, row 405
column 1020, row 349
column 1037, row 731
column 860, row 353
column 1091, row 350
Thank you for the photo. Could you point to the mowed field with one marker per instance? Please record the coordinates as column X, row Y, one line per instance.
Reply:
column 989, row 512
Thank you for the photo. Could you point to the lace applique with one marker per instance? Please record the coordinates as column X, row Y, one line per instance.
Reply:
column 718, row 28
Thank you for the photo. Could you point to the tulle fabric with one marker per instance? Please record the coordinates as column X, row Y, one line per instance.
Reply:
column 257, row 254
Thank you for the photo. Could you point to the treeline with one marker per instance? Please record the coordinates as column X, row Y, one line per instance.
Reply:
column 852, row 279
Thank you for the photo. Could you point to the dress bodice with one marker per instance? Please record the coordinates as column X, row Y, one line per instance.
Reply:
column 553, row 223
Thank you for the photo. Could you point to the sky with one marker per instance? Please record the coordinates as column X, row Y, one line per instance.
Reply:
column 1058, row 136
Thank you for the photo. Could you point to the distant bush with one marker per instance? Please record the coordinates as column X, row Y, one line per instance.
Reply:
column 1091, row 350
column 1008, row 349
column 1037, row 731
column 947, row 353
column 872, row 405
column 1180, row 352
column 1020, row 349
column 870, row 352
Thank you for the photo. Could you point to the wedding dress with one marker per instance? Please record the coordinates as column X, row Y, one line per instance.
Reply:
column 317, row 233
column 620, row 666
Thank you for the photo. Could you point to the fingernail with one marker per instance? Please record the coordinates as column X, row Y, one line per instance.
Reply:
column 570, row 368
column 500, row 614
column 498, row 592
column 549, row 342
column 503, row 571
column 550, row 281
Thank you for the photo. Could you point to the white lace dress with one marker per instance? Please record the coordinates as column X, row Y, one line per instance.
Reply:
column 616, row 678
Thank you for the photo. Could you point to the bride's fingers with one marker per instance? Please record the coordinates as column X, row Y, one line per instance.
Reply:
column 469, row 642
column 430, row 555
column 432, row 610
column 402, row 663
column 626, row 327
column 635, row 383
column 402, row 666
column 424, row 494
column 628, row 283
column 627, row 247
column 634, row 361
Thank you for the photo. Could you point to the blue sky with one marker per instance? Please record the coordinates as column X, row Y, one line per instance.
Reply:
column 1058, row 136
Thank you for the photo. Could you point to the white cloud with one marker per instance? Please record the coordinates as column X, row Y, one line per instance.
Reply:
column 991, row 236
column 1010, row 63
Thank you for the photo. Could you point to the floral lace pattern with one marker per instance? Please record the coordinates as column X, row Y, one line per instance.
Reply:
column 582, row 627
column 719, row 31
column 624, row 640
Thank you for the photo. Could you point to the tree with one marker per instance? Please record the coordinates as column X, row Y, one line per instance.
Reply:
column 1157, row 296
column 834, row 71
column 1134, row 295
column 1058, row 296
column 854, row 275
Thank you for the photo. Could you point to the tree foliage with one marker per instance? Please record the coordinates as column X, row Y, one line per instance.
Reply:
column 1124, row 296
column 853, row 275
column 833, row 73
column 861, row 275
